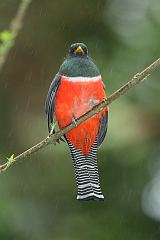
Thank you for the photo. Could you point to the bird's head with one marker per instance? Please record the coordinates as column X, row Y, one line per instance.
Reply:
column 78, row 50
column 77, row 63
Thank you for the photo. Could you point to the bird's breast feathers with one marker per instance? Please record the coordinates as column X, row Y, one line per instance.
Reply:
column 76, row 96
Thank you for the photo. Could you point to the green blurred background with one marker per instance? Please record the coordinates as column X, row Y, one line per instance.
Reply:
column 38, row 195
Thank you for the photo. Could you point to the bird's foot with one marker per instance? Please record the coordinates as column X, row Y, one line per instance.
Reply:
column 74, row 121
column 58, row 140
column 61, row 139
column 52, row 131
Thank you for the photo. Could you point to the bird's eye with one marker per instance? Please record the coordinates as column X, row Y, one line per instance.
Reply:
column 85, row 50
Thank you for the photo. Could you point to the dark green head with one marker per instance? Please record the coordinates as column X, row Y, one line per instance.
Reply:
column 78, row 50
column 78, row 63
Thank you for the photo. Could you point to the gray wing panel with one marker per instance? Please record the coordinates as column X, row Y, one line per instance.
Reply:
column 103, row 128
column 50, row 99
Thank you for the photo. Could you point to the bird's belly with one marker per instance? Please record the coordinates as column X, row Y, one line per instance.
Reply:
column 73, row 99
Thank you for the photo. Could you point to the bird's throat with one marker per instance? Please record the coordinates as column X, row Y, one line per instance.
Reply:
column 78, row 67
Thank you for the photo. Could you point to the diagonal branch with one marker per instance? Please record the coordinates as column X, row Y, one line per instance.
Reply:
column 14, row 28
column 139, row 77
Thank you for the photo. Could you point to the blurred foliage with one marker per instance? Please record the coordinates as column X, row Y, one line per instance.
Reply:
column 6, row 41
column 38, row 195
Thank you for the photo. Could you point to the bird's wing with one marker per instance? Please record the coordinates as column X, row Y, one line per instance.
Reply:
column 103, row 128
column 50, row 100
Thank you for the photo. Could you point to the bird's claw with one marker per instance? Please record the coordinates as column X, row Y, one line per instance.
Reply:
column 62, row 139
column 74, row 121
column 58, row 140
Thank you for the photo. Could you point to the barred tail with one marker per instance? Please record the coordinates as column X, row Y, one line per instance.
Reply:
column 86, row 171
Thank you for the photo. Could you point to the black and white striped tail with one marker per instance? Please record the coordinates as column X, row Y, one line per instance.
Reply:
column 86, row 171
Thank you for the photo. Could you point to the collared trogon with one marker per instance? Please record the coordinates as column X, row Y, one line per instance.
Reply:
column 76, row 88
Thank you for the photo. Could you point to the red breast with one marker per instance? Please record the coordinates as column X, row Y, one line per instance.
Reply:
column 76, row 96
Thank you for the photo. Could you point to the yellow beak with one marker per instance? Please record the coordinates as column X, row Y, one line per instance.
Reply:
column 79, row 50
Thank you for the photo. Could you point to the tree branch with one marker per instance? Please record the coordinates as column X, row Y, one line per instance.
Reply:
column 139, row 77
column 8, row 37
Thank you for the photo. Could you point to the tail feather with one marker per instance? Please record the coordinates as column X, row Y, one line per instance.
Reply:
column 86, row 171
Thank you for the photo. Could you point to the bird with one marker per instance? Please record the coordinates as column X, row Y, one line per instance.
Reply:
column 76, row 89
